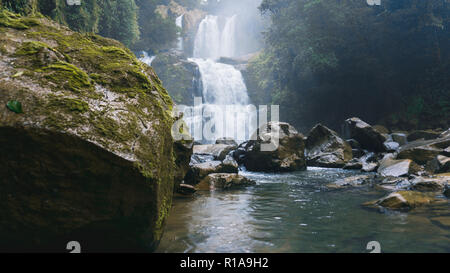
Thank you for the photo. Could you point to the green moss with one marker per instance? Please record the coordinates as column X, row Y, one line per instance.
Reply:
column 68, row 76
column 12, row 20
column 31, row 48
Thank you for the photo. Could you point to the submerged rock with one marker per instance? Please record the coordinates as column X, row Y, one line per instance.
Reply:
column 365, row 134
column 324, row 148
column 403, row 200
column 352, row 181
column 224, row 181
column 278, row 148
column 91, row 157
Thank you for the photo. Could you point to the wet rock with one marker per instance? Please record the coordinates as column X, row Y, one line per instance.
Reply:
column 183, row 154
column 428, row 184
column 445, row 134
column 391, row 146
column 201, row 170
column 396, row 168
column 365, row 134
column 224, row 181
column 440, row 164
column 442, row 221
column 446, row 191
column 219, row 151
column 381, row 129
column 393, row 183
column 353, row 143
column 446, row 151
column 354, row 164
column 226, row 141
column 400, row 138
column 267, row 154
column 324, row 148
column 423, row 151
column 200, row 158
column 403, row 200
column 352, row 181
column 357, row 153
column 186, row 189
column 423, row 134
column 369, row 167
column 229, row 164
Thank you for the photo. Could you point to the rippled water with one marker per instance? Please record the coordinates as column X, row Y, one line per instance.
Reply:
column 294, row 212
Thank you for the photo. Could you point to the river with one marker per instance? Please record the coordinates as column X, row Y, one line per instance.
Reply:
column 295, row 212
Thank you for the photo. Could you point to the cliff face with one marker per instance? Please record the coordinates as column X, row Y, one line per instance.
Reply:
column 87, row 153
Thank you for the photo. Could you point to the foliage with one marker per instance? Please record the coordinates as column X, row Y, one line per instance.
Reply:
column 327, row 60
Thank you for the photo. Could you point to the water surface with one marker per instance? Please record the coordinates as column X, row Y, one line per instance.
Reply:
column 295, row 212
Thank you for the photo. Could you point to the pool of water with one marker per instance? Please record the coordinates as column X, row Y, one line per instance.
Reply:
column 295, row 212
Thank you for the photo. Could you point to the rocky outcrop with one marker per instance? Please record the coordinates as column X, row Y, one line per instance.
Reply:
column 278, row 148
column 224, row 181
column 90, row 155
column 324, row 148
column 365, row 134
column 199, row 171
column 403, row 200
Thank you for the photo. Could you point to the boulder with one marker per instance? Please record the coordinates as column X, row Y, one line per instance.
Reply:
column 201, row 158
column 201, row 170
column 354, row 164
column 396, row 168
column 446, row 151
column 277, row 148
column 391, row 146
column 400, row 138
column 403, row 200
column 446, row 191
column 183, row 154
column 226, row 141
column 393, row 183
column 352, row 181
column 354, row 144
column 186, row 189
column 369, row 167
column 440, row 164
column 422, row 151
column 423, row 135
column 369, row 162
column 445, row 134
column 219, row 151
column 324, row 148
column 365, row 134
column 381, row 129
column 91, row 157
column 224, row 181
column 429, row 184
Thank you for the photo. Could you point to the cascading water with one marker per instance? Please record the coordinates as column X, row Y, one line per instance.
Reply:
column 222, row 84
column 179, row 23
column 145, row 58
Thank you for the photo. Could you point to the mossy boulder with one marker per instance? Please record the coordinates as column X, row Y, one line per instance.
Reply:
column 91, row 157
column 404, row 200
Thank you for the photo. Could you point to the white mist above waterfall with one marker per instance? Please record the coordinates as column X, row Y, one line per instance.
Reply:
column 225, row 100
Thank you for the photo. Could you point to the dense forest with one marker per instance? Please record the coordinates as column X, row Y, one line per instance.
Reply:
column 325, row 60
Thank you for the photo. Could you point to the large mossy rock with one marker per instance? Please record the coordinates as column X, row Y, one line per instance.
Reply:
column 404, row 200
column 324, row 148
column 278, row 148
column 366, row 135
column 91, row 157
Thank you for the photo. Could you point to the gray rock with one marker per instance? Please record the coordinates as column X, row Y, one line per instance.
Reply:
column 428, row 184
column 219, row 151
column 440, row 164
column 394, row 183
column 391, row 146
column 224, row 181
column 353, row 143
column 447, row 191
column 423, row 134
column 403, row 200
column 365, row 134
column 354, row 164
column 186, row 189
column 226, row 141
column 352, row 181
column 400, row 138
column 422, row 151
column 396, row 168
column 266, row 154
column 201, row 170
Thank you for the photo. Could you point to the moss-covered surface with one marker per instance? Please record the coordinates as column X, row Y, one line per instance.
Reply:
column 92, row 88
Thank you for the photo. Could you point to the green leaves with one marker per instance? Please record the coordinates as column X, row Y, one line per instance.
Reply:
column 14, row 106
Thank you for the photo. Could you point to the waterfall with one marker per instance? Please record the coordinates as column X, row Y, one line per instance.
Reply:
column 223, row 86
column 145, row 58
column 179, row 23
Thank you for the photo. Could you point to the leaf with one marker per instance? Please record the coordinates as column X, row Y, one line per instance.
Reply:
column 14, row 106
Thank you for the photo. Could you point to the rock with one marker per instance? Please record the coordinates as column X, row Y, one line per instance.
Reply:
column 357, row 153
column 391, row 146
column 354, row 164
column 423, row 134
column 423, row 151
column 324, row 148
column 286, row 155
column 403, row 200
column 200, row 158
column 446, row 151
column 381, row 129
column 226, row 141
column 183, row 154
column 201, row 170
column 224, row 181
column 219, row 151
column 91, row 157
column 446, row 191
column 365, row 134
column 229, row 164
column 428, row 184
column 442, row 221
column 440, row 164
column 396, row 168
column 445, row 134
column 352, row 181
column 393, row 183
column 400, row 138
column 369, row 167
column 354, row 144
column 186, row 189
